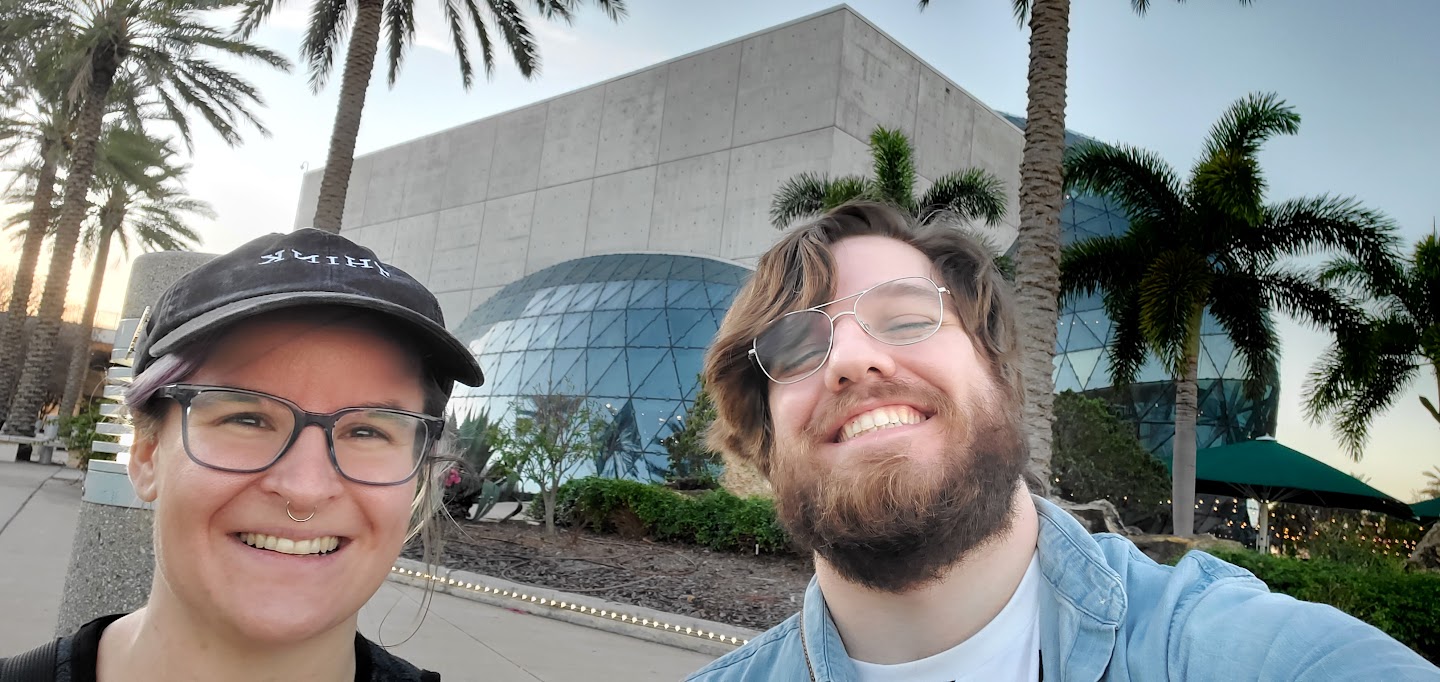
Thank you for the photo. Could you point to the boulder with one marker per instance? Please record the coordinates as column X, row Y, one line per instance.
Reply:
column 744, row 480
column 1164, row 549
column 1426, row 556
column 1097, row 517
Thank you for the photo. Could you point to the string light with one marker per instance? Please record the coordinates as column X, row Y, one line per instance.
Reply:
column 565, row 606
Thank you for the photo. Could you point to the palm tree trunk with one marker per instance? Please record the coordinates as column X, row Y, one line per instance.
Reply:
column 359, row 63
column 12, row 342
column 1182, row 482
column 1037, row 268
column 30, row 394
column 111, row 218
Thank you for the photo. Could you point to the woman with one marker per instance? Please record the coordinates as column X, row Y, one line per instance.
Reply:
column 271, row 535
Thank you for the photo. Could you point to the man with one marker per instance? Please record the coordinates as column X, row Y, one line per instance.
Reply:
column 869, row 371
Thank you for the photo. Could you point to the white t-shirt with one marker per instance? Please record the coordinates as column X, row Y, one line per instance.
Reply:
column 1007, row 648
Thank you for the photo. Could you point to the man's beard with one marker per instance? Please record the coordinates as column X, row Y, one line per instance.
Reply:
column 890, row 523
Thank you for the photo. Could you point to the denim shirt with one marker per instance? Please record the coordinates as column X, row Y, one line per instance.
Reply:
column 1108, row 612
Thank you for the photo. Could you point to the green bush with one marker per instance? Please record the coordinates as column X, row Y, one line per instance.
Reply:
column 1405, row 605
column 716, row 519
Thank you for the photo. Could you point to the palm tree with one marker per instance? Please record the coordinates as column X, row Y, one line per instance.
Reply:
column 141, row 204
column 1431, row 489
column 161, row 45
column 1037, row 267
column 1210, row 244
column 1364, row 371
column 970, row 194
column 330, row 20
column 37, row 118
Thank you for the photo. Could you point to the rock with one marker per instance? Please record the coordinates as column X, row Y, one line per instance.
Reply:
column 744, row 480
column 1426, row 556
column 1166, row 548
column 1097, row 517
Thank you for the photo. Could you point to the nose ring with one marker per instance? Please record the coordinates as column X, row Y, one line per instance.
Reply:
column 292, row 516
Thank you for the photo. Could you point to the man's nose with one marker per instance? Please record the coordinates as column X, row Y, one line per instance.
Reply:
column 855, row 355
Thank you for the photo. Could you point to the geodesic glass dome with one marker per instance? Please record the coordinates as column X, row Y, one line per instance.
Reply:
column 627, row 330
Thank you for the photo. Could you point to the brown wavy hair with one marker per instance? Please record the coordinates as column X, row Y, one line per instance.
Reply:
column 799, row 272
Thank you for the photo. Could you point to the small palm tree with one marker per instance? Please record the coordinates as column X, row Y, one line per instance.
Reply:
column 1366, row 369
column 332, row 20
column 1432, row 485
column 1210, row 244
column 970, row 194
column 161, row 46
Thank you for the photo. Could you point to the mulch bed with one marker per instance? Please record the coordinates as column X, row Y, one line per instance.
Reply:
column 749, row 591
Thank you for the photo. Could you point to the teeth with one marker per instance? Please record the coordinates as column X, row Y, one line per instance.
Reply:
column 880, row 418
column 288, row 546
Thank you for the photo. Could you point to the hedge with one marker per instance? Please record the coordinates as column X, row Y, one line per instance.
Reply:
column 1405, row 605
column 716, row 519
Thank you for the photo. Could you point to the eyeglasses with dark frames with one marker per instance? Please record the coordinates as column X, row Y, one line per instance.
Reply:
column 245, row 432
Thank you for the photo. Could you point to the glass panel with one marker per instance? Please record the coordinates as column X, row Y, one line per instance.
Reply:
column 586, row 295
column 614, row 296
column 608, row 329
column 678, row 322
column 569, row 364
column 642, row 362
column 1065, row 379
column 646, row 328
column 688, row 363
column 642, row 289
column 547, row 332
column 1083, row 362
column 597, row 362
column 574, row 331
column 615, row 381
column 661, row 383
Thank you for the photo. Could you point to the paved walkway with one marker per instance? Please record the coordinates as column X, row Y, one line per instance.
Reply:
column 461, row 639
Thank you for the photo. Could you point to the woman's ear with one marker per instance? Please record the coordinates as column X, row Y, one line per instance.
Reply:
column 141, row 468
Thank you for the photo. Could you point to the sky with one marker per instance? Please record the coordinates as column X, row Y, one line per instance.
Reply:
column 1361, row 75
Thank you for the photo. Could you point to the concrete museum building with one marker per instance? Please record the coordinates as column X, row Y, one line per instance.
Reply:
column 591, row 243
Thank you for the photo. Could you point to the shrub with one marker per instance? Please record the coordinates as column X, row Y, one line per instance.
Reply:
column 1404, row 605
column 716, row 519
column 1097, row 456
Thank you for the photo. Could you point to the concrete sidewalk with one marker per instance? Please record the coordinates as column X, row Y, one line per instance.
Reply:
column 461, row 639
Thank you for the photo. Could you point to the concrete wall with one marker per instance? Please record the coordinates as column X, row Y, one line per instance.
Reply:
column 680, row 157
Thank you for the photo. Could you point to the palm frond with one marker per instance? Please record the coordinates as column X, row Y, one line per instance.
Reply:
column 971, row 194
column 1247, row 124
column 517, row 36
column 1301, row 296
column 482, row 31
column 329, row 25
column 801, row 196
column 1103, row 263
column 1127, row 349
column 1173, row 292
column 1300, row 227
column 456, row 24
column 1140, row 181
column 399, row 35
column 894, row 160
column 1239, row 305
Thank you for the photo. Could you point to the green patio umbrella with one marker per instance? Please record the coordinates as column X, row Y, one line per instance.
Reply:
column 1428, row 511
column 1266, row 471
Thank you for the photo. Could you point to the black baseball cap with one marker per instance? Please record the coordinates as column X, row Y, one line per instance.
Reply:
column 304, row 267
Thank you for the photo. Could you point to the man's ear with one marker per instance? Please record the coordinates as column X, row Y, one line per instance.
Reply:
column 141, row 468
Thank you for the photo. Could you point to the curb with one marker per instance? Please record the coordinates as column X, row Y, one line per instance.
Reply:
column 684, row 632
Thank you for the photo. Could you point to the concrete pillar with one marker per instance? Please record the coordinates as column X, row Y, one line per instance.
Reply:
column 112, row 559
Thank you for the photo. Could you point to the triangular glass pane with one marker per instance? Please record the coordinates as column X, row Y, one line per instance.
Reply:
column 561, row 298
column 696, row 298
column 536, row 303
column 681, row 320
column 1065, row 379
column 568, row 365
column 688, row 268
column 640, row 287
column 597, row 362
column 607, row 329
column 537, row 374
column 547, row 332
column 614, row 296
column 1237, row 368
column 702, row 333
column 636, row 266
column 614, row 382
column 653, row 298
column 586, row 295
column 1205, row 368
column 520, row 339
column 642, row 362
column 646, row 329
column 604, row 270
column 661, row 383
column 1152, row 371
column 688, row 364
column 574, row 331
column 1100, row 376
column 1083, row 362
column 678, row 291
column 1062, row 333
